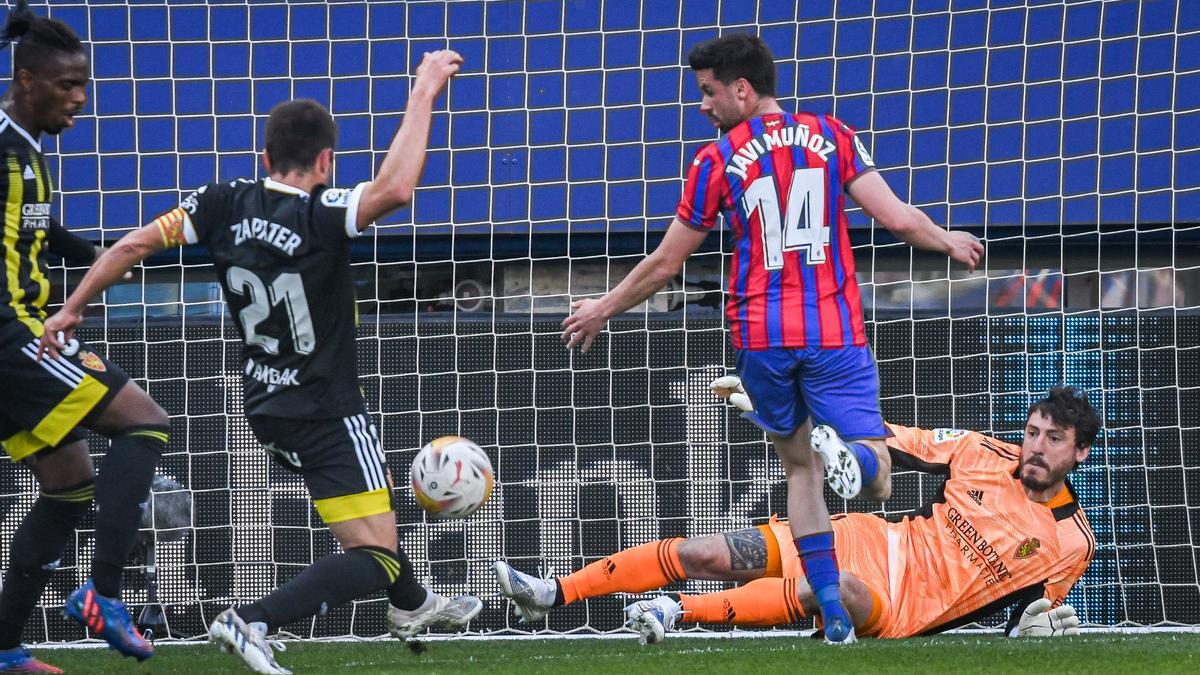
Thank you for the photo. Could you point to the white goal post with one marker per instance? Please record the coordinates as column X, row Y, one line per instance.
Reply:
column 1065, row 134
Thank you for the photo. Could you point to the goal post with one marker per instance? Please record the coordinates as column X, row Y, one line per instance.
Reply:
column 1065, row 134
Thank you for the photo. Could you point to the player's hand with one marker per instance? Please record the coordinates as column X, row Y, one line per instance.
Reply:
column 729, row 387
column 58, row 332
column 1041, row 621
column 437, row 68
column 965, row 248
column 584, row 324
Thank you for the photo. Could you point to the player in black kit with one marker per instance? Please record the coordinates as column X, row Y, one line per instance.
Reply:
column 46, row 403
column 281, row 246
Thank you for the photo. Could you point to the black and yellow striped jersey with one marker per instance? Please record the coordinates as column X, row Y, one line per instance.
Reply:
column 25, row 191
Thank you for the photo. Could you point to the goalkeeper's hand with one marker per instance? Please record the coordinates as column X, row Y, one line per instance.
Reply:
column 729, row 387
column 1041, row 621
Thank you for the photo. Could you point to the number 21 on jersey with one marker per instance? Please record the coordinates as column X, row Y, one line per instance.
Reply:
column 287, row 289
column 802, row 228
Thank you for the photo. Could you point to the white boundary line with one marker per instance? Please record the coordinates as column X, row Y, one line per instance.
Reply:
column 731, row 635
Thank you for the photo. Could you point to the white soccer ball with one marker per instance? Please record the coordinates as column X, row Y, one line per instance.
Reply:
column 451, row 477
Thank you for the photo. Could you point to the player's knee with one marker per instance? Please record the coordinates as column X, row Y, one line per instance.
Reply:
column 703, row 557
column 131, row 408
column 154, row 415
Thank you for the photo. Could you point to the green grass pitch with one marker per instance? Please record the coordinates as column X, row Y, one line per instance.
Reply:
column 1142, row 653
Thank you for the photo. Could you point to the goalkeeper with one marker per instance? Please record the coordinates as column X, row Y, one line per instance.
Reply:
column 1007, row 530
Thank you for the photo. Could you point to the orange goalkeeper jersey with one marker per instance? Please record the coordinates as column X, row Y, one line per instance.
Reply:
column 985, row 545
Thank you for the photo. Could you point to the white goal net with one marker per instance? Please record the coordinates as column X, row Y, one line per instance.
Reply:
column 1063, row 133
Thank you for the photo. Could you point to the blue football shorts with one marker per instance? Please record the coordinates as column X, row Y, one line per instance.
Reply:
column 837, row 387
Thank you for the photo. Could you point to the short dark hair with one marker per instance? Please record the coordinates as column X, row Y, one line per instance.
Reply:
column 35, row 39
column 737, row 55
column 297, row 131
column 1069, row 407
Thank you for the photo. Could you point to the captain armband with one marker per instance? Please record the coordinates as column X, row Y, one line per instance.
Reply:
column 170, row 226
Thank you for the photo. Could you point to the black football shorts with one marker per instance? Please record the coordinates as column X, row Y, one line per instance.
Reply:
column 42, row 402
column 340, row 458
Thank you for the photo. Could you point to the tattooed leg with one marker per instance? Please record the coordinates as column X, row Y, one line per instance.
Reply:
column 736, row 556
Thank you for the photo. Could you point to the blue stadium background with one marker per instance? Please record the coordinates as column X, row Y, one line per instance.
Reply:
column 577, row 117
column 1013, row 115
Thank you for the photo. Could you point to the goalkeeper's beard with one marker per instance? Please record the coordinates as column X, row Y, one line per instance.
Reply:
column 1052, row 475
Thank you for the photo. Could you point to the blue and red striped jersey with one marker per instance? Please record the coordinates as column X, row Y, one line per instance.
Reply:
column 780, row 180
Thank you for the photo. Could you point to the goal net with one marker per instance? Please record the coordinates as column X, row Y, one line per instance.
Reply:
column 1065, row 134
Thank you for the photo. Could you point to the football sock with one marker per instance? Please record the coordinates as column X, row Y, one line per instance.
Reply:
column 641, row 568
column 329, row 582
column 867, row 460
column 819, row 560
column 37, row 545
column 121, row 489
column 769, row 601
column 405, row 593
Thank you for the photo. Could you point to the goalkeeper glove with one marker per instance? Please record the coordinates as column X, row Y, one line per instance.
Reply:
column 729, row 387
column 1041, row 621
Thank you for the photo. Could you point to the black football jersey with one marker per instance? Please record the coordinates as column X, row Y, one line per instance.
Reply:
column 283, row 258
column 26, row 192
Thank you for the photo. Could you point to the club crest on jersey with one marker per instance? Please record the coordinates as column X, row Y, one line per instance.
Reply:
column 336, row 197
column 943, row 435
column 92, row 362
column 1027, row 548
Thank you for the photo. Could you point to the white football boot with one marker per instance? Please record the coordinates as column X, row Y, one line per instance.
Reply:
column 233, row 636
column 653, row 619
column 437, row 610
column 842, row 471
column 843, row 630
column 532, row 597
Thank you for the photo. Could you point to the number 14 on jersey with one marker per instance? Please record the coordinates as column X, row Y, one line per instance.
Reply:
column 802, row 228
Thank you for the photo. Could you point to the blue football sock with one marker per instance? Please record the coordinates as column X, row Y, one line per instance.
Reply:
column 867, row 460
column 819, row 560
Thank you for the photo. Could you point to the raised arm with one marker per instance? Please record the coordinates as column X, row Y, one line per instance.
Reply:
column 401, row 168
column 909, row 224
column 650, row 275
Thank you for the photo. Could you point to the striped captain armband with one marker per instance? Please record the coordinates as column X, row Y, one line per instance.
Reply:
column 170, row 226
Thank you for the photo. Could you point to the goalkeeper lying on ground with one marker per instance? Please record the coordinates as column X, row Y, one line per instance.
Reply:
column 1006, row 531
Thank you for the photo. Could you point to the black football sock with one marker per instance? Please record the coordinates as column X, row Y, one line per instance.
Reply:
column 37, row 546
column 121, row 488
column 329, row 582
column 559, row 600
column 405, row 592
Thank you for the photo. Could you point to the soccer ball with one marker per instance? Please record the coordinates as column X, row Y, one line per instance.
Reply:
column 451, row 477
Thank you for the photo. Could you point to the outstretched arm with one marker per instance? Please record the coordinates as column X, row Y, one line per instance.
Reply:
column 108, row 269
column 650, row 275
column 401, row 168
column 909, row 224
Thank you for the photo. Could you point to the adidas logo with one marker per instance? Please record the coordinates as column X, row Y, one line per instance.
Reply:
column 976, row 496
column 28, row 172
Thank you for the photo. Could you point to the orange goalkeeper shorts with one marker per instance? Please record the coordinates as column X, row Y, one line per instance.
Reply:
column 862, row 550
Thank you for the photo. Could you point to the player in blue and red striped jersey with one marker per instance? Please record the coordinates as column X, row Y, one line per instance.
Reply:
column 794, row 311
